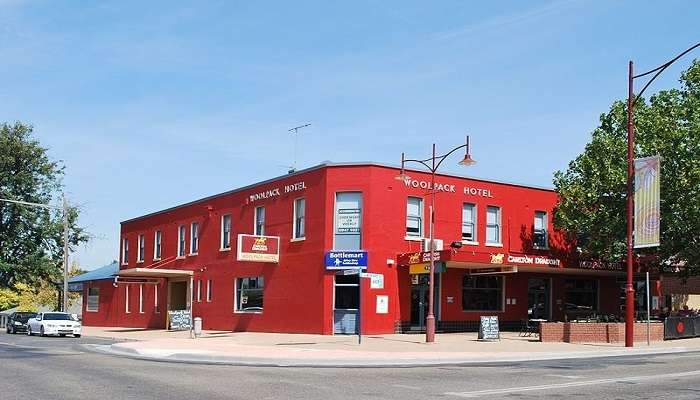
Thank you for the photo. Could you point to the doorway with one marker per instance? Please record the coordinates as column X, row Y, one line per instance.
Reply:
column 177, row 296
column 419, row 300
column 538, row 298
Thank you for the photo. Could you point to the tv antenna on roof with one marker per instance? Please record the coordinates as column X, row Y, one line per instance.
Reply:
column 295, row 133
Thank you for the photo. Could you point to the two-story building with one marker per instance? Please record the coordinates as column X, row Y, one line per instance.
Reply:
column 252, row 259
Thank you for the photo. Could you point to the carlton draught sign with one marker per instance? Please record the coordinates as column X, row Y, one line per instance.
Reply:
column 258, row 248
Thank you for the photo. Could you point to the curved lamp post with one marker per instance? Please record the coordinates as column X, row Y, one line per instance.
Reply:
column 631, row 101
column 432, row 164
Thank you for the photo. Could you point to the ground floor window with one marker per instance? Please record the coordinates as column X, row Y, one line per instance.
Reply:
column 347, row 293
column 482, row 293
column 581, row 296
column 93, row 299
column 249, row 293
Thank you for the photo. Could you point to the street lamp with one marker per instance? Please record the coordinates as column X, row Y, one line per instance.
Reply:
column 65, row 239
column 435, row 162
column 631, row 101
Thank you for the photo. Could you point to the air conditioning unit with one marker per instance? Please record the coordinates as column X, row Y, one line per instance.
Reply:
column 437, row 247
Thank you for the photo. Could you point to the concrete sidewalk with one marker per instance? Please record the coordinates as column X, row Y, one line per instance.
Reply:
column 407, row 350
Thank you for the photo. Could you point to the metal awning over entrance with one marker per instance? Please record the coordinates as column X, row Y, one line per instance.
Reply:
column 154, row 273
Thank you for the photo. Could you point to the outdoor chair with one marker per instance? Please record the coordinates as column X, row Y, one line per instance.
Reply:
column 527, row 328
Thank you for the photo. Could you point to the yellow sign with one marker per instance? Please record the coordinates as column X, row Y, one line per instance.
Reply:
column 497, row 258
column 415, row 269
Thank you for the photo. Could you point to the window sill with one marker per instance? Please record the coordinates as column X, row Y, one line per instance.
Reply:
column 139, row 262
column 180, row 257
column 493, row 244
column 469, row 243
column 225, row 249
column 86, row 310
column 156, row 259
column 299, row 239
column 247, row 312
column 413, row 238
column 192, row 254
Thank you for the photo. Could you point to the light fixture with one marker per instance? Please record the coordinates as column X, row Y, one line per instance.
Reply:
column 402, row 175
column 467, row 160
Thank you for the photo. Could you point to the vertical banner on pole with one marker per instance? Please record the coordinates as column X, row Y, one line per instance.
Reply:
column 647, row 209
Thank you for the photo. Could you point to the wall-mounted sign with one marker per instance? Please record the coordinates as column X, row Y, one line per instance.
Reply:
column 376, row 281
column 382, row 304
column 449, row 188
column 524, row 259
column 258, row 248
column 417, row 269
column 346, row 259
column 607, row 266
column 348, row 221
column 421, row 257
column 274, row 192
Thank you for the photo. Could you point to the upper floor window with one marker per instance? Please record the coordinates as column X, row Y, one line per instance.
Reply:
column 125, row 251
column 156, row 245
column 469, row 222
column 225, row 232
column 194, row 238
column 181, row 241
column 299, row 214
column 493, row 225
column 141, row 249
column 539, row 238
column 414, row 217
column 259, row 223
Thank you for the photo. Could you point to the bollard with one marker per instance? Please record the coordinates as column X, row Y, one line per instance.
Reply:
column 197, row 327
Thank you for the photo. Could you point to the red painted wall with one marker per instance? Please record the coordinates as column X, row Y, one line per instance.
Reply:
column 299, row 293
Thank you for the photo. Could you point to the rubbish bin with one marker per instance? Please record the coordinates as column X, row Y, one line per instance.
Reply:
column 197, row 326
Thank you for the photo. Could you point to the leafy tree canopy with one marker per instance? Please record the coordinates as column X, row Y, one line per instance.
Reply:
column 593, row 189
column 31, row 238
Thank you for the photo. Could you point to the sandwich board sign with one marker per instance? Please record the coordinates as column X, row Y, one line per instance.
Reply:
column 488, row 328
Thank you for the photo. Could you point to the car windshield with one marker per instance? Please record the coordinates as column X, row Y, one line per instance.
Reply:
column 24, row 317
column 58, row 317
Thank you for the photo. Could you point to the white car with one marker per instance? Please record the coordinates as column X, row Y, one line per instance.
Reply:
column 53, row 323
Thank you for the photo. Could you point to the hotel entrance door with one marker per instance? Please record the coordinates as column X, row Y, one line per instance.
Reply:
column 419, row 300
column 538, row 306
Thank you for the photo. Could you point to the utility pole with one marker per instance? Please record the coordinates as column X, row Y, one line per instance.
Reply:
column 295, row 133
column 65, row 254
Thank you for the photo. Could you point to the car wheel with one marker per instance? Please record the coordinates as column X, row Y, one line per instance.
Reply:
column 41, row 331
column 12, row 330
column 78, row 335
column 29, row 331
column 62, row 334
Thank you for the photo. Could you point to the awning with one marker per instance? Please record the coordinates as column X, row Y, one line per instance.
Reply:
column 154, row 273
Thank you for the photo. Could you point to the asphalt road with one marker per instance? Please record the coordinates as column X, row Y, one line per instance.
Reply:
column 59, row 368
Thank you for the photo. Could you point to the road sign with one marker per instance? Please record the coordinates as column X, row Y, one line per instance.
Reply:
column 346, row 259
column 350, row 271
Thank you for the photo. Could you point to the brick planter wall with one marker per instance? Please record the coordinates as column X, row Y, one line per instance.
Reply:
column 593, row 332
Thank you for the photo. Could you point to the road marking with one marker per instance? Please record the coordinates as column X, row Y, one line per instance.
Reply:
column 567, row 376
column 573, row 384
column 407, row 387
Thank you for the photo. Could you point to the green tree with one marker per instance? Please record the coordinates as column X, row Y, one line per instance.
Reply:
column 592, row 190
column 31, row 241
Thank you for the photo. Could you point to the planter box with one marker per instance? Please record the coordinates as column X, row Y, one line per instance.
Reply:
column 597, row 332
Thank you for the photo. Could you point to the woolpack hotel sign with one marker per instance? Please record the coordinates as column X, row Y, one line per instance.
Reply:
column 258, row 248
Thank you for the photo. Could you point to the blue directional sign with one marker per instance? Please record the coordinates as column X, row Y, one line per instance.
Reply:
column 346, row 259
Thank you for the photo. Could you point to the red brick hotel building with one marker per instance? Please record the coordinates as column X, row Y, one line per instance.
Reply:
column 252, row 259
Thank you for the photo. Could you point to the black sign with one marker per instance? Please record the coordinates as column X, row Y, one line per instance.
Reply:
column 488, row 328
column 180, row 320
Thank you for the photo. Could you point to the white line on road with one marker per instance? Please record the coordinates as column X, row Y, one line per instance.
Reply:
column 567, row 376
column 573, row 384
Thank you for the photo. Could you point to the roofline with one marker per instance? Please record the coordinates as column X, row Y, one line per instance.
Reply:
column 327, row 164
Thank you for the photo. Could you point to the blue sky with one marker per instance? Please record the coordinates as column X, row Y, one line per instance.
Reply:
column 151, row 104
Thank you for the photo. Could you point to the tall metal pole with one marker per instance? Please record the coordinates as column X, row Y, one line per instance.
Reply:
column 65, row 254
column 430, row 320
column 648, row 314
column 629, row 290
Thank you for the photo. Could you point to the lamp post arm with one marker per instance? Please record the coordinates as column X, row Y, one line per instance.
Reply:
column 443, row 157
column 421, row 162
column 659, row 70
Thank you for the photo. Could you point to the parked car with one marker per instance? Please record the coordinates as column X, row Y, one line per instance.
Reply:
column 17, row 322
column 53, row 323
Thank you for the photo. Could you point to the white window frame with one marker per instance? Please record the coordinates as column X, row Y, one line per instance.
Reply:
column 545, row 224
column 155, row 300
column 209, row 290
column 199, row 290
column 181, row 241
column 126, row 296
column 157, row 245
column 141, row 249
column 194, row 238
column 87, row 305
column 420, row 216
column 498, row 225
column 475, row 224
column 125, row 251
column 141, row 298
column 295, row 222
column 225, row 236
column 255, row 221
